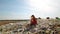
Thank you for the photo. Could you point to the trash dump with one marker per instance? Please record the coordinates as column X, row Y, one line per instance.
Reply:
column 43, row 27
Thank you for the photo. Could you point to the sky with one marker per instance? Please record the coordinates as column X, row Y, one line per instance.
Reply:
column 23, row 9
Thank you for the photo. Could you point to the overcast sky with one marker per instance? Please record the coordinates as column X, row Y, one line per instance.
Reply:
column 23, row 9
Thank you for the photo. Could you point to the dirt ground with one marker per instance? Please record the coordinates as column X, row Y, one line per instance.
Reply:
column 2, row 22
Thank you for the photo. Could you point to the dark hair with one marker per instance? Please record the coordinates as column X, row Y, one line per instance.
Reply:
column 33, row 16
column 47, row 18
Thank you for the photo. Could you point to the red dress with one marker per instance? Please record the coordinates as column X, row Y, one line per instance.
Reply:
column 33, row 21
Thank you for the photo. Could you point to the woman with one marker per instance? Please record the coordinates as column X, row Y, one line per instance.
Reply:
column 32, row 24
column 33, row 21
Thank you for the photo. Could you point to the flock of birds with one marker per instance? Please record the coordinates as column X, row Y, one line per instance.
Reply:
column 44, row 26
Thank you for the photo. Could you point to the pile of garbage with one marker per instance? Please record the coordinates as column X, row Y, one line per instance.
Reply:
column 20, row 28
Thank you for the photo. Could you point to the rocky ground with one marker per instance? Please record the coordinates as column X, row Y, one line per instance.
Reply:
column 44, row 26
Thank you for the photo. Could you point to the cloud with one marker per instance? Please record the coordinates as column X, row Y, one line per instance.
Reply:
column 25, row 8
column 45, row 7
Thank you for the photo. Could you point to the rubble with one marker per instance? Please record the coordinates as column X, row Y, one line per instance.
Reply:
column 43, row 27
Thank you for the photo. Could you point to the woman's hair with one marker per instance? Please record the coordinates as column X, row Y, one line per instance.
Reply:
column 33, row 16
